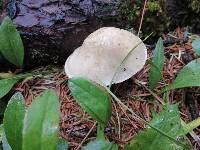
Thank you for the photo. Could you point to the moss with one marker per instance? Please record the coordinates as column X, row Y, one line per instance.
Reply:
column 155, row 19
column 161, row 15
column 153, row 6
column 195, row 5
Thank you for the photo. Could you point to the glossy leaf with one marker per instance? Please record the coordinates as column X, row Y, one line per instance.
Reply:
column 7, row 84
column 169, row 122
column 196, row 46
column 100, row 144
column 5, row 143
column 189, row 76
column 41, row 123
column 92, row 98
column 11, row 45
column 62, row 144
column 13, row 121
column 158, row 62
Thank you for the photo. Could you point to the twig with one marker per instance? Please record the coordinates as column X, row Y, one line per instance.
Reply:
column 150, row 91
column 142, row 18
column 192, row 133
column 118, row 120
column 79, row 146
column 126, row 108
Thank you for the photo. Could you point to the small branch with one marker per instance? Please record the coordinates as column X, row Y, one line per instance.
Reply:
column 86, row 136
column 142, row 18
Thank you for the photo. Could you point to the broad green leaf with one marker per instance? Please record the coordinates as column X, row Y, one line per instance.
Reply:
column 158, row 62
column 92, row 98
column 196, row 46
column 3, row 140
column 62, row 144
column 7, row 84
column 41, row 123
column 11, row 45
column 100, row 144
column 169, row 122
column 189, row 76
column 13, row 121
column 5, row 143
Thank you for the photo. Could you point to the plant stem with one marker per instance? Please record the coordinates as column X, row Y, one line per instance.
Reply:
column 141, row 119
column 100, row 131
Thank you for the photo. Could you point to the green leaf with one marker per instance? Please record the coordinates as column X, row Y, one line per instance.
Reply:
column 5, row 143
column 62, row 144
column 11, row 45
column 196, row 46
column 191, row 126
column 7, row 84
column 100, row 144
column 158, row 62
column 13, row 121
column 169, row 122
column 3, row 140
column 1, row 132
column 41, row 123
column 189, row 76
column 92, row 98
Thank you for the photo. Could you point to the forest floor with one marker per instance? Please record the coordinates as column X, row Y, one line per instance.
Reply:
column 77, row 127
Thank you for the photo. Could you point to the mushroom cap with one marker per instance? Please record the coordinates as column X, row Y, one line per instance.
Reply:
column 102, row 53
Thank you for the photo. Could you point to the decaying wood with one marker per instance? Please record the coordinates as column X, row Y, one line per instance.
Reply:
column 51, row 30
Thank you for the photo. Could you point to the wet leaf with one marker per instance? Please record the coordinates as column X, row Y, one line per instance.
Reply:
column 169, row 122
column 100, row 144
column 41, row 123
column 196, row 46
column 188, row 77
column 92, row 98
column 11, row 45
column 13, row 121
column 157, row 64
column 62, row 144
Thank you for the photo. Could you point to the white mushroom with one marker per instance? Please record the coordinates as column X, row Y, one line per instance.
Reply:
column 102, row 53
